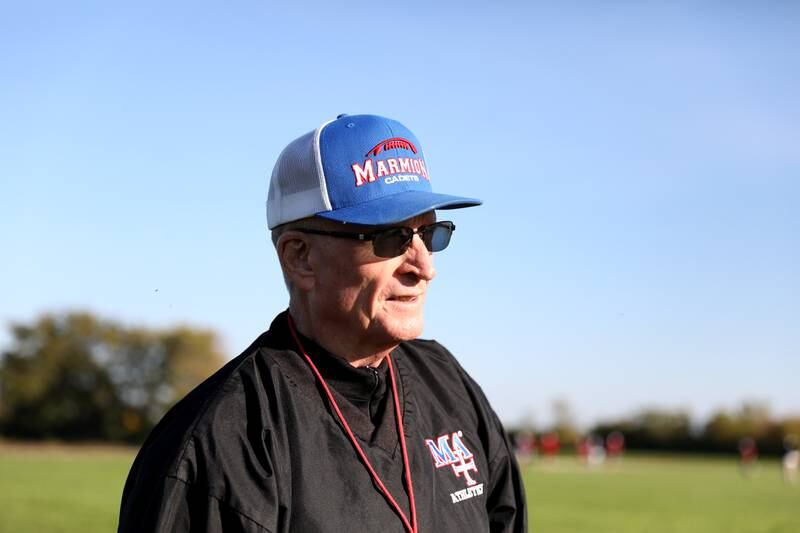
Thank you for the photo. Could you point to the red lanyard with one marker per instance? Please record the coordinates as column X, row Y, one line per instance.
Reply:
column 412, row 526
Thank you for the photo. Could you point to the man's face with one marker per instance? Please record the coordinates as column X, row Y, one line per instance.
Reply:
column 380, row 300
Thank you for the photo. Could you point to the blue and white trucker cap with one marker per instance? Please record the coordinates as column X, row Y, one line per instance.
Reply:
column 359, row 169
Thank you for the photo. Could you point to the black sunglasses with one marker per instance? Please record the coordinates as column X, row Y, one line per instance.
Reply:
column 391, row 242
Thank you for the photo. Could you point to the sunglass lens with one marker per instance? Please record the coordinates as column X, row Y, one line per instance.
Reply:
column 437, row 237
column 393, row 242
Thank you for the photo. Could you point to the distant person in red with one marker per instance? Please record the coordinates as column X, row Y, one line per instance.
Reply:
column 550, row 444
column 748, row 454
column 615, row 444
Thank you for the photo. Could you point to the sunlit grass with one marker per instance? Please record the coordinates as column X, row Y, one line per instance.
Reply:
column 61, row 489
column 660, row 494
column 77, row 489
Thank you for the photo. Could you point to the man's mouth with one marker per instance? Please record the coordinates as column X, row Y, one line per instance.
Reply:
column 411, row 298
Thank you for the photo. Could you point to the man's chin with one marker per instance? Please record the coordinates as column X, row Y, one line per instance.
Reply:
column 402, row 330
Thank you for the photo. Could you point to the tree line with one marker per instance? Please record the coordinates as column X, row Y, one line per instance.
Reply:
column 723, row 432
column 75, row 376
column 675, row 431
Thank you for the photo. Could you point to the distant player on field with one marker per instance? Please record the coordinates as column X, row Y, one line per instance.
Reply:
column 748, row 454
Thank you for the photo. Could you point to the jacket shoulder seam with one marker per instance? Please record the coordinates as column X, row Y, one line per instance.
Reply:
column 226, row 504
column 213, row 396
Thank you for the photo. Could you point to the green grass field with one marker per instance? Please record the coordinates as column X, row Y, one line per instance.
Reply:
column 77, row 489
column 648, row 494
column 47, row 489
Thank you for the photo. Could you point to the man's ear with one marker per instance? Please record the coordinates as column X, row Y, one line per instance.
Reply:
column 293, row 253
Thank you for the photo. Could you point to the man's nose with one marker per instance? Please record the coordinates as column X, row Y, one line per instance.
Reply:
column 419, row 260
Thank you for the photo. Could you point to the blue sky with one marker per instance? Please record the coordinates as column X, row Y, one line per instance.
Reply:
column 639, row 163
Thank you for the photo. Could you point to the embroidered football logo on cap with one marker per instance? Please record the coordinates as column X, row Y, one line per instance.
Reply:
column 392, row 144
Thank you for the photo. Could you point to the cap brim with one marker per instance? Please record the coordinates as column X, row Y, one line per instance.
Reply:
column 397, row 207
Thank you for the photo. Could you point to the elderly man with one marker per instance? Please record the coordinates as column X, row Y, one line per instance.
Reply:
column 337, row 419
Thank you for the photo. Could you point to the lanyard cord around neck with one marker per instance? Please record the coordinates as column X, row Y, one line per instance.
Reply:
column 411, row 527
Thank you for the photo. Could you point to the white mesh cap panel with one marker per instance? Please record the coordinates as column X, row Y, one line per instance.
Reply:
column 297, row 189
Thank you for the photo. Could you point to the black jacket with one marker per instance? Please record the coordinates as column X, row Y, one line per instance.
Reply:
column 256, row 448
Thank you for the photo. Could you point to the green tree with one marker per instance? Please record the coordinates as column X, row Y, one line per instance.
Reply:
column 724, row 429
column 564, row 422
column 654, row 429
column 75, row 376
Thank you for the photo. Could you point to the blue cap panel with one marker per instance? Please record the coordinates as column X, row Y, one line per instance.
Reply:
column 366, row 157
